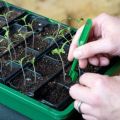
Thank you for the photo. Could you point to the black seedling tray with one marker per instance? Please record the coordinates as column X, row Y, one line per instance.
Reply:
column 37, row 41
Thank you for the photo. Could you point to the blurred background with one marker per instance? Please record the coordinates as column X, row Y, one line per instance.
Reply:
column 61, row 10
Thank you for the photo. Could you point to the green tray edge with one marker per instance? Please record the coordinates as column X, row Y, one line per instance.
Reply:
column 28, row 106
column 32, row 108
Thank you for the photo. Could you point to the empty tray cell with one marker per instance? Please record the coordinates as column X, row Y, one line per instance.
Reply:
column 26, row 82
column 53, row 94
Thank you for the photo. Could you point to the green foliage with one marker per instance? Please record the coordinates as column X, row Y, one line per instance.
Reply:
column 20, row 62
column 59, row 50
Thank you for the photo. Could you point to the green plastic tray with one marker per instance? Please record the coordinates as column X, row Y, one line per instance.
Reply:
column 28, row 106
column 34, row 109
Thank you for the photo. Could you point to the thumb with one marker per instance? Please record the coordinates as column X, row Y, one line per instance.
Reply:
column 93, row 48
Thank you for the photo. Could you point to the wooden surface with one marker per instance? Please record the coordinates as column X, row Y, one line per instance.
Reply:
column 62, row 9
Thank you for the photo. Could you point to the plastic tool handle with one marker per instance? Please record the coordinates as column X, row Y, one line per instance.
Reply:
column 82, row 40
column 85, row 33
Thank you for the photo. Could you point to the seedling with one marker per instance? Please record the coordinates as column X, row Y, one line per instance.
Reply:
column 23, row 35
column 20, row 62
column 63, row 31
column 23, row 19
column 6, row 37
column 61, row 50
column 9, row 49
column 24, row 77
column 57, row 50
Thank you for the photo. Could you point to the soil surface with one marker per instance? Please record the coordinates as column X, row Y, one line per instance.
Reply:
column 27, row 85
column 7, row 68
column 47, row 67
column 53, row 93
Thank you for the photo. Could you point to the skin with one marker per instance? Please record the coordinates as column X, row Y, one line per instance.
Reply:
column 100, row 94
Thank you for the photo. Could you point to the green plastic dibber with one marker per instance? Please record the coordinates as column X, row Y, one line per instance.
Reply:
column 82, row 40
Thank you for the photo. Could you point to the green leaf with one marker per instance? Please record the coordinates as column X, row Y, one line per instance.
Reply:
column 33, row 60
column 58, row 51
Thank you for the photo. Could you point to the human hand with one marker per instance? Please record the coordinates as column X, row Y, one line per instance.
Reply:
column 104, row 41
column 100, row 96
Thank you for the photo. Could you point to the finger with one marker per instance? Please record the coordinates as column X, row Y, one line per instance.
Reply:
column 84, row 108
column 89, row 117
column 99, row 60
column 83, row 63
column 89, row 79
column 92, row 48
column 94, row 61
column 104, row 61
column 79, row 92
column 74, row 43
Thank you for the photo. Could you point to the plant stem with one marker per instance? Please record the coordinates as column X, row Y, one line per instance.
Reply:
column 24, row 83
column 25, row 46
column 10, row 59
column 63, row 66
column 35, row 73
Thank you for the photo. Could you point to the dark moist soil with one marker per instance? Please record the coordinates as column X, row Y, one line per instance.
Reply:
column 47, row 67
column 29, row 86
column 12, row 15
column 50, row 30
column 60, row 78
column 39, row 44
column 53, row 93
column 20, row 53
column 91, row 68
column 6, row 70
